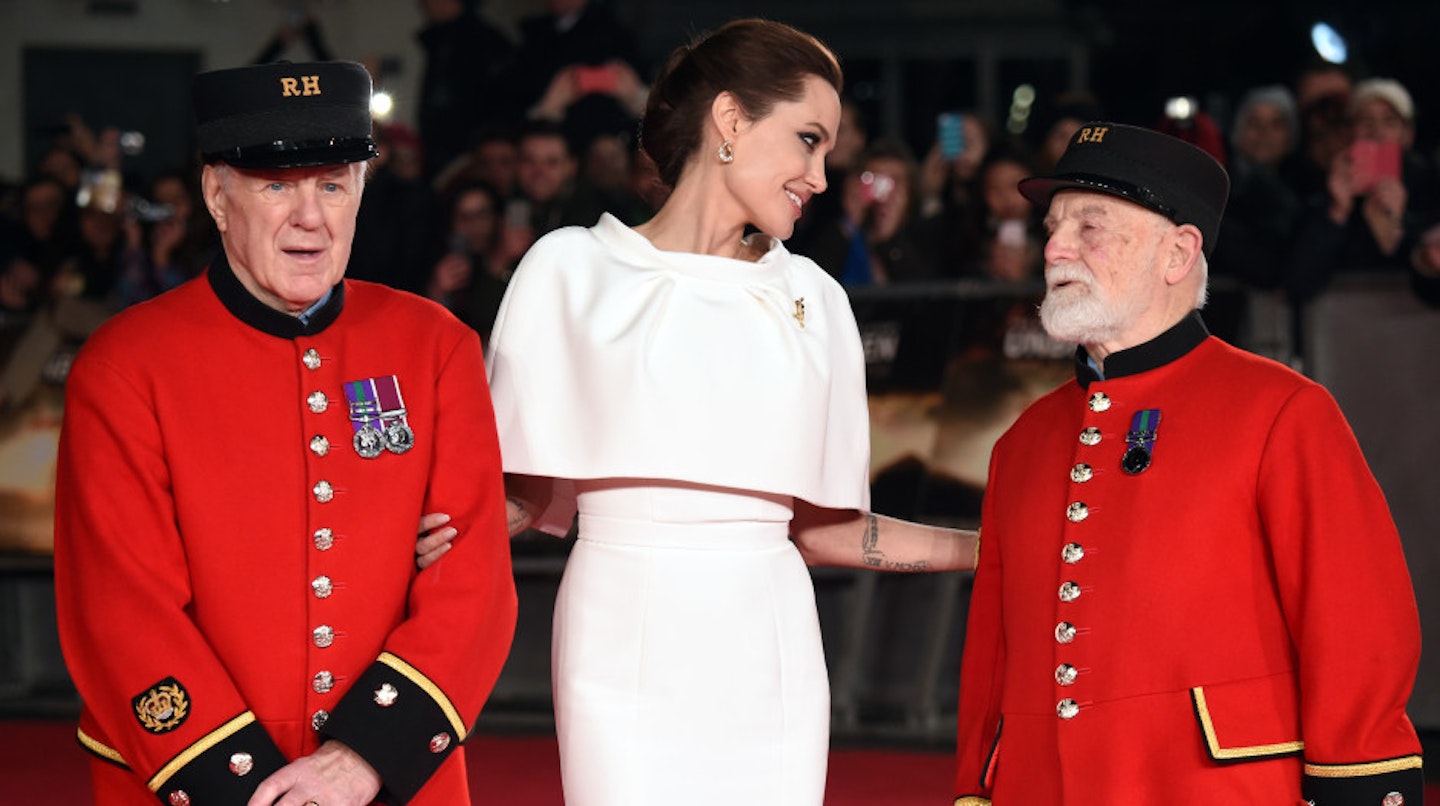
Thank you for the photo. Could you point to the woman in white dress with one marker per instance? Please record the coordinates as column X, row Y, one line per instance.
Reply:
column 698, row 396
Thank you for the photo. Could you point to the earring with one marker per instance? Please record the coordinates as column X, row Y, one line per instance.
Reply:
column 726, row 153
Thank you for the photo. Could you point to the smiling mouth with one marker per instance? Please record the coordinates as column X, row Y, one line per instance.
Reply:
column 796, row 200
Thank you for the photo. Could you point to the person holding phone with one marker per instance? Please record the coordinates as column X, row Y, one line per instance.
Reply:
column 1376, row 192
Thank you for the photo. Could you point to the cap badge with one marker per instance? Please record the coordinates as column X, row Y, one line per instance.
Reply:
column 1144, row 427
column 164, row 707
column 304, row 85
column 1092, row 134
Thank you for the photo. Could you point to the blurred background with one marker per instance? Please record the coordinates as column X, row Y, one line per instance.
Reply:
column 504, row 119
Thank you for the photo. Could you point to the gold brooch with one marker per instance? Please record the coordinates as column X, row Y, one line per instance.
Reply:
column 800, row 311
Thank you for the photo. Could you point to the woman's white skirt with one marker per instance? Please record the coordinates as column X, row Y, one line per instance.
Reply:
column 687, row 660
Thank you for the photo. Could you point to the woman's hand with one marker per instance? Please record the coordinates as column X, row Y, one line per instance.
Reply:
column 435, row 539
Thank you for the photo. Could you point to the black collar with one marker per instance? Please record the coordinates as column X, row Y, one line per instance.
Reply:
column 1186, row 335
column 238, row 301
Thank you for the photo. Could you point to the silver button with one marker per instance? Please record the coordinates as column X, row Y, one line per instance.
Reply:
column 1077, row 512
column 1072, row 553
column 1099, row 402
column 1064, row 632
column 1393, row 799
column 1090, row 436
column 241, row 763
column 324, row 538
column 1069, row 592
column 318, row 402
column 1067, row 709
column 319, row 719
column 439, row 742
column 386, row 695
column 323, row 682
column 1065, row 674
column 319, row 445
column 324, row 493
column 322, row 587
column 324, row 635
column 179, row 798
column 311, row 359
column 1081, row 473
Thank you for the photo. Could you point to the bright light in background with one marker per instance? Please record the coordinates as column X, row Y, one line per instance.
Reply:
column 1022, row 101
column 381, row 105
column 1329, row 43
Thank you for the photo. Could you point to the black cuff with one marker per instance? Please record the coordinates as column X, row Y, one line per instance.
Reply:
column 224, row 773
column 1369, row 790
column 398, row 721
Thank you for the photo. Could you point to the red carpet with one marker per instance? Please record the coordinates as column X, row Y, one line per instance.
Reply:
column 41, row 763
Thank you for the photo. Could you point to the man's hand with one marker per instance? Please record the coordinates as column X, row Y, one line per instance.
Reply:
column 435, row 538
column 333, row 775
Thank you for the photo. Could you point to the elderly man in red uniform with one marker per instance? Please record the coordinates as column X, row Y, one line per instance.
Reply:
column 1190, row 589
column 243, row 465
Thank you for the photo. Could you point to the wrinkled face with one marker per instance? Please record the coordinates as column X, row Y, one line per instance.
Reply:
column 286, row 231
column 780, row 159
column 1265, row 134
column 1103, row 269
column 545, row 167
column 1377, row 120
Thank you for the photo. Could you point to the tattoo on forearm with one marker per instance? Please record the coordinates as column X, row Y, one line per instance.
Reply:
column 516, row 516
column 874, row 557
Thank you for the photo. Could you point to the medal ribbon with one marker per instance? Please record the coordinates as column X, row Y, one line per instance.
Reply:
column 1144, row 427
column 392, row 405
column 365, row 407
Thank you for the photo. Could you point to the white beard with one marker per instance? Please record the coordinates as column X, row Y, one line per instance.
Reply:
column 1080, row 313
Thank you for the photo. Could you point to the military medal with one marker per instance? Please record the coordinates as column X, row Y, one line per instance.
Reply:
column 399, row 438
column 369, row 441
column 1144, row 427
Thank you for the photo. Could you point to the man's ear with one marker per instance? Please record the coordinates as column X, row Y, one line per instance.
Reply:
column 212, row 190
column 1184, row 250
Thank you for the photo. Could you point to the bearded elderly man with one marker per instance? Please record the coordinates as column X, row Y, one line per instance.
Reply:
column 1190, row 589
column 243, row 464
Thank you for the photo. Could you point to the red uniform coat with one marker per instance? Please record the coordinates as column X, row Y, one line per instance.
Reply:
column 236, row 584
column 1229, row 625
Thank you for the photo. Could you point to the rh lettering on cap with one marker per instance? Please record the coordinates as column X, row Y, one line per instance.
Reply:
column 1092, row 134
column 305, row 85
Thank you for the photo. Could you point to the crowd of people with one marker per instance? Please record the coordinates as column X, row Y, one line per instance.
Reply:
column 517, row 138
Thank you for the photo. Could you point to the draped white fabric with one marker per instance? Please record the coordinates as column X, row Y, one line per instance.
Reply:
column 611, row 358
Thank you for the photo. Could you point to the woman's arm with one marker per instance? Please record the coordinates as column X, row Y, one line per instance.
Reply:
column 865, row 540
column 525, row 498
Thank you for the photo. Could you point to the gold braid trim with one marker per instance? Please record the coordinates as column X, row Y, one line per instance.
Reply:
column 102, row 750
column 971, row 800
column 415, row 676
column 197, row 749
column 1357, row 770
column 1229, row 753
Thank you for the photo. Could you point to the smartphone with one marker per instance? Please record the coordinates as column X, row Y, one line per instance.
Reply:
column 1373, row 161
column 595, row 79
column 950, row 134
column 877, row 187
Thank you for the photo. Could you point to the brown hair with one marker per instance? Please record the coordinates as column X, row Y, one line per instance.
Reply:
column 760, row 62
